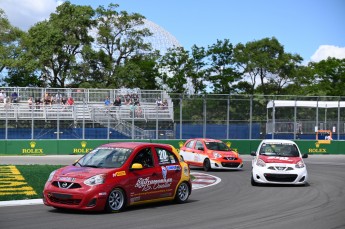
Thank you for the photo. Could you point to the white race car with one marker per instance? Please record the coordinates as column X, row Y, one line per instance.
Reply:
column 278, row 162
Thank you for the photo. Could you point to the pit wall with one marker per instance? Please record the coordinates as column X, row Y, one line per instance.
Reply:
column 70, row 147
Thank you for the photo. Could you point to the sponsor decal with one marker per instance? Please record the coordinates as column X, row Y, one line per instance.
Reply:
column 186, row 170
column 317, row 150
column 180, row 144
column 32, row 149
column 135, row 199
column 233, row 149
column 164, row 172
column 83, row 149
column 173, row 167
column 145, row 184
column 13, row 183
column 278, row 158
column 68, row 179
column 119, row 174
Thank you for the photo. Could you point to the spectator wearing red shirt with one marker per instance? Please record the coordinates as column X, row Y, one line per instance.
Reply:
column 70, row 101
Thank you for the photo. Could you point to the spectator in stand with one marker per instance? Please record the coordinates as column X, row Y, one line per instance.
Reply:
column 47, row 99
column 117, row 101
column 14, row 97
column 158, row 102
column 38, row 102
column 132, row 108
column 2, row 96
column 128, row 99
column 70, row 101
column 138, row 111
column 63, row 100
column 58, row 97
column 107, row 102
column 30, row 102
column 165, row 104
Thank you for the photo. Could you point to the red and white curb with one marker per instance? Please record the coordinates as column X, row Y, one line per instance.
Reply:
column 203, row 180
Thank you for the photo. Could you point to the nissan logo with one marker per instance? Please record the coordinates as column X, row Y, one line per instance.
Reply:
column 64, row 185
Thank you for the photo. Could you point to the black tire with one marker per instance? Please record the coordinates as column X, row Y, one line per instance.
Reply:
column 252, row 181
column 182, row 193
column 207, row 165
column 116, row 201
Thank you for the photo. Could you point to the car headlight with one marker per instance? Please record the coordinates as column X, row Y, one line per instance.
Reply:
column 300, row 165
column 95, row 180
column 260, row 163
column 51, row 175
column 216, row 155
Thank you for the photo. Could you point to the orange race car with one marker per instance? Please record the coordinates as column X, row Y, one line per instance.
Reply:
column 210, row 154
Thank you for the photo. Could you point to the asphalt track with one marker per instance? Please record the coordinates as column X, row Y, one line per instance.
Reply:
column 232, row 203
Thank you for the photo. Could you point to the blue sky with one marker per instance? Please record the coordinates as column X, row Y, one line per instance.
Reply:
column 314, row 29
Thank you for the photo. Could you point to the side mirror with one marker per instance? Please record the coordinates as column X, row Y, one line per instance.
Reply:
column 137, row 166
column 253, row 153
column 305, row 155
column 200, row 148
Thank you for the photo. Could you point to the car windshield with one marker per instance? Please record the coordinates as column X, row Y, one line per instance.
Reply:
column 105, row 158
column 217, row 146
column 280, row 150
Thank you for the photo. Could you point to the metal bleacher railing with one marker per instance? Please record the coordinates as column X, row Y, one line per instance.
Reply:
column 138, row 106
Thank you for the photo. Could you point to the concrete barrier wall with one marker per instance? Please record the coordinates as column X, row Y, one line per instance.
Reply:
column 66, row 147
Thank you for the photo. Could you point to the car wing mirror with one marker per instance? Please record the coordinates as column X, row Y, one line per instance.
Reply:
column 253, row 153
column 200, row 148
column 137, row 166
column 305, row 155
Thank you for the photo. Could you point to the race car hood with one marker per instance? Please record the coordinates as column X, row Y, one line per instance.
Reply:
column 275, row 159
column 79, row 172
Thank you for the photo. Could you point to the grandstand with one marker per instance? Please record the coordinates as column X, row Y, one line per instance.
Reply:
column 88, row 107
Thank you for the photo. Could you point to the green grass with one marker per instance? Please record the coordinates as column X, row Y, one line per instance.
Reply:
column 35, row 176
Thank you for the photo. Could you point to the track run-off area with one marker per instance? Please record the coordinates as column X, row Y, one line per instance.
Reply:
column 229, row 202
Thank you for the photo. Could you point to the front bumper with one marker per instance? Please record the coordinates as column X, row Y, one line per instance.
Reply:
column 280, row 174
column 87, row 198
column 226, row 164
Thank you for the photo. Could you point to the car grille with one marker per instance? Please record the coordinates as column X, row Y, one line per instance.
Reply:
column 280, row 177
column 280, row 168
column 230, row 158
column 66, row 185
column 63, row 199
column 230, row 164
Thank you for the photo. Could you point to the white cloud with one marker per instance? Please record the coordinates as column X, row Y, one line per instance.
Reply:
column 25, row 13
column 325, row 51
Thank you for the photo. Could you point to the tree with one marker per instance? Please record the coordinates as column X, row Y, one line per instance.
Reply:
column 329, row 76
column 119, row 37
column 139, row 71
column 55, row 44
column 174, row 67
column 222, row 73
column 265, row 61
column 9, row 43
column 198, row 72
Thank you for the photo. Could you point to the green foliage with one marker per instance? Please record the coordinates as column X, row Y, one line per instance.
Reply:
column 105, row 48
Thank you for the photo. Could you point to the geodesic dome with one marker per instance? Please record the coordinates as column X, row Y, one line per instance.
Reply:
column 161, row 39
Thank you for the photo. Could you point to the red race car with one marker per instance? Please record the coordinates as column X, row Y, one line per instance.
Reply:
column 117, row 175
column 210, row 154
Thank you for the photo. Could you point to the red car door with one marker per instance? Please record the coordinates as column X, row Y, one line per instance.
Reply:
column 171, row 171
column 143, row 182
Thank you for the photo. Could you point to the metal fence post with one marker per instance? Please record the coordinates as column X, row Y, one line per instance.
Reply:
column 205, row 116
column 157, row 121
column 227, row 118
column 181, row 116
column 250, row 117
